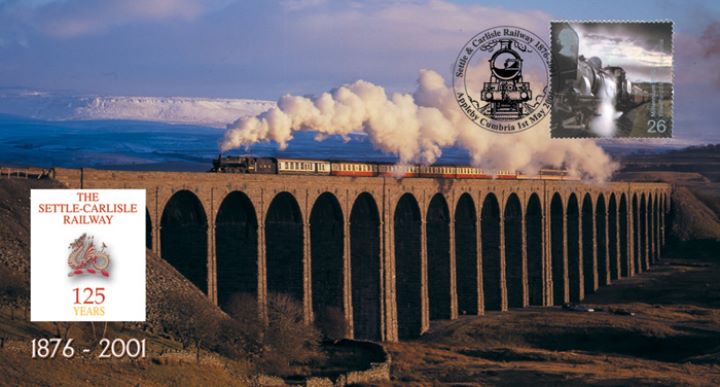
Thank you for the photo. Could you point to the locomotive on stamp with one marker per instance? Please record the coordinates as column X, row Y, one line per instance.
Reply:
column 611, row 79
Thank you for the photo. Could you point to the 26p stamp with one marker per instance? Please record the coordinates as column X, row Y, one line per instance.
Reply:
column 611, row 79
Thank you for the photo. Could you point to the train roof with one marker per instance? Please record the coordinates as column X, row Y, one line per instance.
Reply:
column 302, row 160
column 377, row 162
column 273, row 158
column 336, row 160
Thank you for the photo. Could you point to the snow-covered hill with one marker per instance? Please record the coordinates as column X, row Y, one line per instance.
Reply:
column 184, row 110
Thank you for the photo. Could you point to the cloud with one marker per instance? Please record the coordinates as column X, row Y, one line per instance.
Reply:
column 711, row 40
column 644, row 49
column 698, row 59
column 72, row 18
column 429, row 26
column 301, row 5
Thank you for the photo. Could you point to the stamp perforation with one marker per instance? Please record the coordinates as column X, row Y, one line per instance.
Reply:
column 657, row 100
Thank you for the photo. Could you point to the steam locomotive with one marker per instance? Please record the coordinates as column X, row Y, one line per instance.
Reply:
column 506, row 94
column 580, row 84
column 282, row 166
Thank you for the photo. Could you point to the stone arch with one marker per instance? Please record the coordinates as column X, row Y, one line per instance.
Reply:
column 624, row 241
column 661, row 220
column 588, row 249
column 438, row 255
column 326, row 261
column 491, row 265
column 365, row 264
column 466, row 255
column 668, row 215
column 665, row 214
column 183, row 237
column 636, row 234
column 284, row 247
column 534, row 244
column 408, row 263
column 148, row 231
column 601, row 240
column 643, row 232
column 236, row 248
column 649, row 229
column 557, row 255
column 572, row 242
column 513, row 252
column 612, row 237
column 655, row 229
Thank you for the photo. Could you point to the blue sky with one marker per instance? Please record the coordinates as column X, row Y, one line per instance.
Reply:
column 264, row 49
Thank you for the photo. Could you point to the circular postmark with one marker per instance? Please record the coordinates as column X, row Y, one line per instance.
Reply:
column 501, row 79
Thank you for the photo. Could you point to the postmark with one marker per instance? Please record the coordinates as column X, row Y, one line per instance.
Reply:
column 501, row 79
column 611, row 79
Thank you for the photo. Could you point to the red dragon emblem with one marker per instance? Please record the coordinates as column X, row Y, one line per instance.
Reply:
column 85, row 259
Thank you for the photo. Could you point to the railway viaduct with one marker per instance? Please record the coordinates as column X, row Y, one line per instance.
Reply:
column 391, row 255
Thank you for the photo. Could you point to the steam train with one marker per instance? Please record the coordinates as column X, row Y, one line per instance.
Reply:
column 580, row 84
column 282, row 166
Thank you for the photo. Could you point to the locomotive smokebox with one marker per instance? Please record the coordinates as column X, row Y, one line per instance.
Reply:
column 506, row 93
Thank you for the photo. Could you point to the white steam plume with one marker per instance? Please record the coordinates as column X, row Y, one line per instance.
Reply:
column 415, row 127
column 604, row 124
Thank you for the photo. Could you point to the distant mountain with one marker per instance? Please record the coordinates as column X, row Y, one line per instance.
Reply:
column 213, row 112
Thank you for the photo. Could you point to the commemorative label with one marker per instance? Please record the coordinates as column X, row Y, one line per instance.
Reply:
column 501, row 79
column 611, row 79
column 87, row 258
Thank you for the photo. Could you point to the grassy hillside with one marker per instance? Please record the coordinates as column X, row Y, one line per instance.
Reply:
column 704, row 160
column 168, row 361
column 695, row 175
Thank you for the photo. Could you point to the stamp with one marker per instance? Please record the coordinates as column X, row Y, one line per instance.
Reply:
column 501, row 79
column 611, row 79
